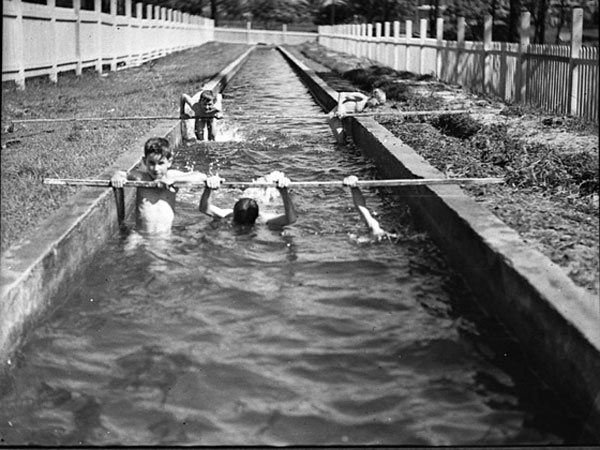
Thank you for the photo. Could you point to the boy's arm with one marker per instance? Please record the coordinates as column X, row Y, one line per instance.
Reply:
column 361, row 205
column 120, row 177
column 290, row 216
column 206, row 206
column 185, row 100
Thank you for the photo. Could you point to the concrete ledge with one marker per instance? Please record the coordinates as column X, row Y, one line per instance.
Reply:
column 556, row 322
column 36, row 271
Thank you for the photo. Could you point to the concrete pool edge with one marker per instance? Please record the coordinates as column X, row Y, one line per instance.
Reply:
column 38, row 269
column 556, row 322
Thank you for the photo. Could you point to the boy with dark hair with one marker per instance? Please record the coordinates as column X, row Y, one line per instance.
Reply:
column 155, row 207
column 206, row 108
column 246, row 210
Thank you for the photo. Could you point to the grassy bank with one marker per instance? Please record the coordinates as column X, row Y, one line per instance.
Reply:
column 31, row 152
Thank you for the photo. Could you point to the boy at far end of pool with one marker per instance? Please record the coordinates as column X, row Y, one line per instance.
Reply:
column 206, row 108
column 246, row 209
column 155, row 207
column 361, row 207
column 352, row 103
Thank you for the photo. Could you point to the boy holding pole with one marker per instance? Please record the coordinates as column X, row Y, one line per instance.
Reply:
column 155, row 206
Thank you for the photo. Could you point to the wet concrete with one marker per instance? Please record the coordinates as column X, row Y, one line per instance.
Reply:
column 556, row 322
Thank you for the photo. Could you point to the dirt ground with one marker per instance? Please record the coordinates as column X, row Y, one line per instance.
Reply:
column 558, row 219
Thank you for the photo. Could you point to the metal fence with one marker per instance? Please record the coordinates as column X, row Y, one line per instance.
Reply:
column 46, row 39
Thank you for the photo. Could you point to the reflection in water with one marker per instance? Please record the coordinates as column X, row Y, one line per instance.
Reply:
column 308, row 335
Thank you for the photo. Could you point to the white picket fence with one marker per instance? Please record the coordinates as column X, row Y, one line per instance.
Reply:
column 46, row 39
column 561, row 79
column 252, row 36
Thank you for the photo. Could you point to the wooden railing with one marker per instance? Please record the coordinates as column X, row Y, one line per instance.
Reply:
column 46, row 40
column 562, row 79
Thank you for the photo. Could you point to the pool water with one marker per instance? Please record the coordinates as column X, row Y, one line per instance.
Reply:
column 309, row 335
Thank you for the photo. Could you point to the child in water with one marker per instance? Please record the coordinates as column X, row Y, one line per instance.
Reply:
column 351, row 103
column 246, row 209
column 205, row 109
column 361, row 207
column 155, row 207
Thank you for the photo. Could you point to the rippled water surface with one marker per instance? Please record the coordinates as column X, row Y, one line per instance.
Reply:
column 310, row 335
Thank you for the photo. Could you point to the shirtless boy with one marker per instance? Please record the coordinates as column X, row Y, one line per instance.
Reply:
column 206, row 109
column 246, row 209
column 351, row 103
column 155, row 207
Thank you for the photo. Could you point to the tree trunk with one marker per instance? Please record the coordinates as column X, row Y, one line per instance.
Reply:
column 214, row 12
column 513, row 20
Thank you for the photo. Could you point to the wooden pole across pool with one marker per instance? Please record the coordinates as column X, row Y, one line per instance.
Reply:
column 360, row 183
column 258, row 118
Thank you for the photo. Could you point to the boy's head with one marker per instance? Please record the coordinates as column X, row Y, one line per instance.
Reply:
column 245, row 211
column 157, row 157
column 207, row 98
column 378, row 97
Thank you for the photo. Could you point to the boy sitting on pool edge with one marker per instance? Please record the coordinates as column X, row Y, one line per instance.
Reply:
column 246, row 209
column 155, row 207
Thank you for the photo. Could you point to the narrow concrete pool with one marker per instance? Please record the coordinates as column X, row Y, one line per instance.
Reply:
column 311, row 336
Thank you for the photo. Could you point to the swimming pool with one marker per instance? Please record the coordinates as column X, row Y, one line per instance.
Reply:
column 314, row 335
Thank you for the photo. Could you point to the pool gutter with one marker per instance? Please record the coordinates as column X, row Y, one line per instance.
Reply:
column 556, row 322
column 36, row 271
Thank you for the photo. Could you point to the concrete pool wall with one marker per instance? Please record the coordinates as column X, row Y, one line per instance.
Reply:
column 36, row 271
column 556, row 322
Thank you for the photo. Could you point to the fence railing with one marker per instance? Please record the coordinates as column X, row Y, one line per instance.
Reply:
column 271, row 37
column 46, row 39
column 561, row 79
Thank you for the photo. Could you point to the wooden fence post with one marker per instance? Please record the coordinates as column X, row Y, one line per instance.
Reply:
column 386, row 34
column 98, row 14
column 378, row 44
column 19, row 45
column 363, row 42
column 51, row 5
column 460, row 43
column 370, row 40
column 422, row 37
column 128, row 33
column 77, row 11
column 524, row 25
column 487, row 61
column 113, row 32
column 284, row 32
column 407, row 39
column 439, row 35
column 576, row 39
column 248, row 28
column 396, row 61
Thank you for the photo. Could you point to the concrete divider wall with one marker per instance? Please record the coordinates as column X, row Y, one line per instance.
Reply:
column 556, row 322
column 38, row 270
